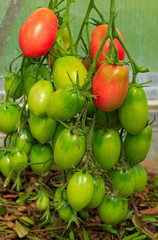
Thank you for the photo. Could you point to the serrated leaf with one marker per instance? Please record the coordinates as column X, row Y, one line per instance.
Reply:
column 149, row 218
column 110, row 229
column 132, row 236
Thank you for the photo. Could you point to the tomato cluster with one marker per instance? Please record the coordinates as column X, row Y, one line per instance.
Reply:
column 96, row 131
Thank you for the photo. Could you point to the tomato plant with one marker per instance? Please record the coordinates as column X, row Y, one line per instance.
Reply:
column 69, row 149
column 106, row 148
column 38, row 33
column 80, row 183
column 110, row 85
column 133, row 113
column 97, row 37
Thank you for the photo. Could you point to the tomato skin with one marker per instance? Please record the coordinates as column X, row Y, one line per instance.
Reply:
column 140, row 178
column 29, row 76
column 18, row 160
column 123, row 181
column 22, row 140
column 124, row 208
column 69, row 149
column 39, row 96
column 110, row 83
column 137, row 146
column 97, row 37
column 110, row 210
column 38, row 33
column 106, row 148
column 42, row 202
column 9, row 117
column 65, row 211
column 80, row 190
column 5, row 166
column 59, row 129
column 42, row 128
column 68, row 64
column 13, row 82
column 133, row 113
column 98, row 194
column 64, row 104
column 41, row 154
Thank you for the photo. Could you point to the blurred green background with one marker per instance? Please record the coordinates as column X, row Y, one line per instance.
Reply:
column 137, row 21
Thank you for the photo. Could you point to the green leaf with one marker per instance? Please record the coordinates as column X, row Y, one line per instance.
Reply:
column 156, row 181
column 129, row 214
column 140, row 237
column 149, row 218
column 130, row 229
column 72, row 237
column 85, row 235
column 154, row 195
column 110, row 229
column 132, row 236
column 136, row 222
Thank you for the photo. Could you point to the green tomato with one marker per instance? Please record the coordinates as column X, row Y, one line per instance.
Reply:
column 12, row 83
column 124, row 208
column 69, row 149
column 9, row 117
column 65, row 67
column 106, row 148
column 59, row 129
column 137, row 146
column 123, row 181
column 98, row 194
column 65, row 211
column 5, row 166
column 22, row 140
column 133, row 113
column 110, row 210
column 64, row 104
column 91, row 108
column 80, row 190
column 29, row 76
column 42, row 202
column 38, row 97
column 140, row 178
column 41, row 158
column 18, row 160
column 42, row 128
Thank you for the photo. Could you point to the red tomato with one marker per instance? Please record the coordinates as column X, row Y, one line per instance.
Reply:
column 110, row 83
column 98, row 35
column 38, row 33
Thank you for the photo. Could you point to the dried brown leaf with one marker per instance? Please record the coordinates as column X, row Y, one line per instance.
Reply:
column 20, row 230
column 10, row 224
column 150, row 211
column 149, row 232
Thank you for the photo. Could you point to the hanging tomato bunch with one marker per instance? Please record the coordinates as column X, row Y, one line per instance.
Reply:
column 77, row 113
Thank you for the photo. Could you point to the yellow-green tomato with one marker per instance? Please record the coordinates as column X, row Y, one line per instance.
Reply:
column 42, row 202
column 64, row 104
column 106, row 148
column 69, row 149
column 18, row 160
column 42, row 128
column 5, row 166
column 98, row 194
column 123, row 181
column 65, row 67
column 41, row 157
column 137, row 146
column 124, row 208
column 12, row 83
column 80, row 190
column 38, row 97
column 140, row 178
column 110, row 210
column 133, row 113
